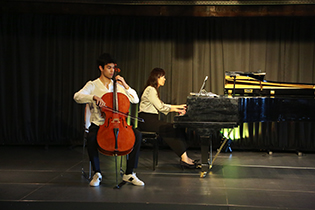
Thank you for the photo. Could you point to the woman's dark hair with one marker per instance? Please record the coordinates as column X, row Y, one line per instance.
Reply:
column 153, row 78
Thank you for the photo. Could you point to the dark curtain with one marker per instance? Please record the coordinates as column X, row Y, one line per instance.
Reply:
column 45, row 59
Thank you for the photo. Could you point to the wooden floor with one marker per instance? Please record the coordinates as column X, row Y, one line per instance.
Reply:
column 50, row 178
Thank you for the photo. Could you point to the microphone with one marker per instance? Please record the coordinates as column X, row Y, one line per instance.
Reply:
column 203, row 84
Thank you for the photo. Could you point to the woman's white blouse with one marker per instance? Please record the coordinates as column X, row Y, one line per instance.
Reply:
column 151, row 103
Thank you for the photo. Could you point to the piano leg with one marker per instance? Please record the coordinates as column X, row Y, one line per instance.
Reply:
column 206, row 152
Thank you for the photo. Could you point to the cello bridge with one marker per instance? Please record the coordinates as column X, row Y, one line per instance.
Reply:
column 115, row 120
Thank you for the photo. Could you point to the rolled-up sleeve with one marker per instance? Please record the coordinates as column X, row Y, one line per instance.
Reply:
column 85, row 94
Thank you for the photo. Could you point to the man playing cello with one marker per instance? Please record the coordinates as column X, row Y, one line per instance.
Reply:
column 92, row 94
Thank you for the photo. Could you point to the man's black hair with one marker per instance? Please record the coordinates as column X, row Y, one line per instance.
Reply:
column 104, row 59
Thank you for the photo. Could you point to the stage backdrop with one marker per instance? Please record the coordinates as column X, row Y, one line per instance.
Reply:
column 45, row 59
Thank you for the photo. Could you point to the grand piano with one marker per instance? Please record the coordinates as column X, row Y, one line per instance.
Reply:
column 248, row 98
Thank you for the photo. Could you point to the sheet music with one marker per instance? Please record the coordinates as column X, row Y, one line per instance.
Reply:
column 203, row 84
column 207, row 94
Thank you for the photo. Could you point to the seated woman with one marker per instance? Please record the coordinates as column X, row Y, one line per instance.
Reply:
column 151, row 105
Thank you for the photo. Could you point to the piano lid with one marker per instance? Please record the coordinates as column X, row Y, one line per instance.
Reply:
column 253, row 84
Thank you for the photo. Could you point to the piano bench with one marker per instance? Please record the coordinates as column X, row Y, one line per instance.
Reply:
column 152, row 138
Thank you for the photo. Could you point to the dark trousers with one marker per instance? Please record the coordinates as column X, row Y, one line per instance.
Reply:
column 175, row 138
column 92, row 147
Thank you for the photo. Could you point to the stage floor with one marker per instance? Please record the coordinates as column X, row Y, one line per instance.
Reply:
column 50, row 178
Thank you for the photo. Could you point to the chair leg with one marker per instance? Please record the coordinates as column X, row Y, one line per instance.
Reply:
column 154, row 158
column 90, row 170
column 156, row 150
column 88, row 175
column 155, row 153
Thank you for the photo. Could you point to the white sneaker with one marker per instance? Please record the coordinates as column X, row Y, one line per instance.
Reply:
column 133, row 179
column 96, row 181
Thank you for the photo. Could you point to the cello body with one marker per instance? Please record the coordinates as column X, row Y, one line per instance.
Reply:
column 115, row 136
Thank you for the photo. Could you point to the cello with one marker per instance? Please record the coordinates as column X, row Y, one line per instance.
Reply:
column 115, row 137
